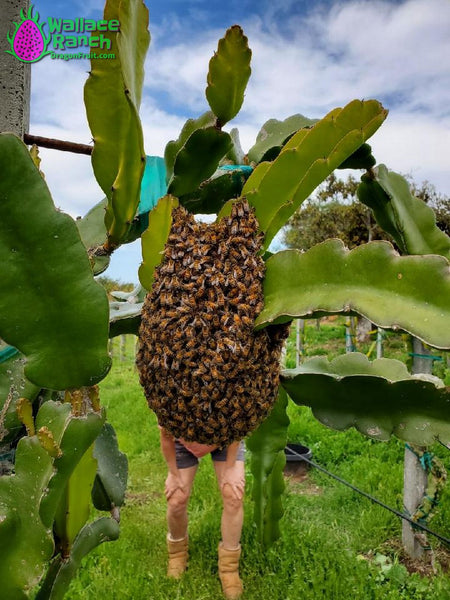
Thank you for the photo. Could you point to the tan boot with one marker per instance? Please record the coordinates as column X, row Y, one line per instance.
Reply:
column 229, row 572
column 178, row 557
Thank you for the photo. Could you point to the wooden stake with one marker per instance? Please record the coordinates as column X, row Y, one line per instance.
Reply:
column 54, row 144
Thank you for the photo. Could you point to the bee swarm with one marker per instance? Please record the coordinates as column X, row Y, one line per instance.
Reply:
column 207, row 375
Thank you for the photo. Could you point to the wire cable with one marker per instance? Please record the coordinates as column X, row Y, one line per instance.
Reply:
column 354, row 488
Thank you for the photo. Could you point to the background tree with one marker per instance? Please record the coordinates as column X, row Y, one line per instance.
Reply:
column 440, row 203
column 113, row 285
column 335, row 212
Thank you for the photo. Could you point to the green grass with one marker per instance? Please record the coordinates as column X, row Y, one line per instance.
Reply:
column 325, row 534
column 329, row 340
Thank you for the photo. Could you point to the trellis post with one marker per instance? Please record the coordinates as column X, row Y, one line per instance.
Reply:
column 415, row 478
column 15, row 79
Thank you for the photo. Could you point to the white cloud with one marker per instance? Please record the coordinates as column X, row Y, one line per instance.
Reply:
column 395, row 52
column 159, row 127
column 419, row 148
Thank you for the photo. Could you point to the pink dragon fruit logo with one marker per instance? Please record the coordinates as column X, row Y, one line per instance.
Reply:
column 28, row 42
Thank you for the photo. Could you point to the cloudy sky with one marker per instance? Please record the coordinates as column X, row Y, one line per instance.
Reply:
column 308, row 57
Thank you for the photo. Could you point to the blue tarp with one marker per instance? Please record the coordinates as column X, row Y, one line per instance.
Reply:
column 7, row 353
column 153, row 184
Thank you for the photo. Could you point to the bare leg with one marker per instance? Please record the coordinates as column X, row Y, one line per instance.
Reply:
column 177, row 517
column 233, row 507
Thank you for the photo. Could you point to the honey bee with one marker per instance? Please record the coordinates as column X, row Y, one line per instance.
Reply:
column 209, row 430
column 197, row 264
column 237, row 320
column 237, row 273
column 190, row 333
column 200, row 371
column 222, row 248
column 241, row 426
column 184, row 309
column 200, row 293
column 236, row 415
column 225, row 319
column 210, row 306
column 253, row 420
column 234, row 301
column 176, row 347
column 169, row 266
column 247, row 230
column 171, row 314
column 238, row 209
column 215, row 394
column 185, row 392
column 229, row 344
column 245, row 308
column 204, row 249
column 222, row 420
column 181, row 406
column 220, row 298
column 248, row 407
column 222, row 403
column 245, row 350
column 216, row 280
column 215, row 373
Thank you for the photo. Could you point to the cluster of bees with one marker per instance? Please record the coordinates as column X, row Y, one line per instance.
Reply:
column 206, row 373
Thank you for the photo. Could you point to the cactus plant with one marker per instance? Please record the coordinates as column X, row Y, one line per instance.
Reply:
column 50, row 267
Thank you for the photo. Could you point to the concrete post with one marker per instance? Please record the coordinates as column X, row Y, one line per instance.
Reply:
column 299, row 329
column 415, row 479
column 14, row 113
column 379, row 343
column 123, row 347
column 15, row 76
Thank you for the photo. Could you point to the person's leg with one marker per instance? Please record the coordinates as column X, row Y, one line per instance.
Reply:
column 177, row 517
column 178, row 491
column 231, row 480
column 233, row 506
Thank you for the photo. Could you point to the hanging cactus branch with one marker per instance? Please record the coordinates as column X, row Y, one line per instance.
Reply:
column 207, row 119
column 198, row 159
column 267, row 445
column 380, row 398
column 409, row 220
column 45, row 266
column 274, row 134
column 277, row 189
column 394, row 292
column 112, row 96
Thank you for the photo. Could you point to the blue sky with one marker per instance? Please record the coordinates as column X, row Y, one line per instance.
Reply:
column 308, row 57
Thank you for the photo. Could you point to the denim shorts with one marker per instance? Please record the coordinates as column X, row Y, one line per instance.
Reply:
column 186, row 459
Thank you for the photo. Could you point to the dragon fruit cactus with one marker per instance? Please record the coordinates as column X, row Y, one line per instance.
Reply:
column 28, row 42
